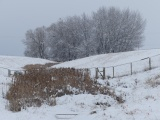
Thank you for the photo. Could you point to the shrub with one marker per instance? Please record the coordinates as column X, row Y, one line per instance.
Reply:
column 42, row 85
column 154, row 82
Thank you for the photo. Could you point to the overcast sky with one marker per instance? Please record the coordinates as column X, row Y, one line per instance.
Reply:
column 18, row 16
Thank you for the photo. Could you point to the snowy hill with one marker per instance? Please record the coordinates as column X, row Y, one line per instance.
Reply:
column 140, row 92
column 112, row 59
column 13, row 62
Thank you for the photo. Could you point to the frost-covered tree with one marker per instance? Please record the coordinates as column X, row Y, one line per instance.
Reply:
column 88, row 45
column 36, row 43
column 106, row 30
column 63, row 40
column 71, row 38
column 117, row 30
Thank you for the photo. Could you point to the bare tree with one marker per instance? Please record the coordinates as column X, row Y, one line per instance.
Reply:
column 69, row 38
column 35, row 42
column 87, row 44
column 117, row 30
column 107, row 30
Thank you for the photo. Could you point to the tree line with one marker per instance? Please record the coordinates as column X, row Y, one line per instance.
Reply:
column 105, row 31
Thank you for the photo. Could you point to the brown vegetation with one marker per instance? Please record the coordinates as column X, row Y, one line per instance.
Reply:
column 37, row 66
column 41, row 85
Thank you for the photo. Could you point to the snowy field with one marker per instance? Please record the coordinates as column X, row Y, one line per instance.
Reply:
column 112, row 59
column 140, row 92
column 16, row 63
column 120, row 61
column 13, row 62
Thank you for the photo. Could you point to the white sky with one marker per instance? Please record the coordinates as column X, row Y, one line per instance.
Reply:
column 18, row 16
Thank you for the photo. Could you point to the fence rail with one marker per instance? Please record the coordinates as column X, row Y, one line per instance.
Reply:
column 111, row 71
column 8, row 72
column 5, row 71
column 127, row 68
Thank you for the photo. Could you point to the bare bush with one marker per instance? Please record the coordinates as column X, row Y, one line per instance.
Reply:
column 43, row 85
column 154, row 82
column 37, row 66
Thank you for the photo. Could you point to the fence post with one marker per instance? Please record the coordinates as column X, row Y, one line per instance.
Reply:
column 131, row 68
column 96, row 69
column 113, row 72
column 104, row 75
column 89, row 72
column 9, row 73
column 149, row 63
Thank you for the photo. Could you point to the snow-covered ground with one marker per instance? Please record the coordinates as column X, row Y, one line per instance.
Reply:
column 112, row 59
column 120, row 61
column 13, row 62
column 140, row 92
column 16, row 63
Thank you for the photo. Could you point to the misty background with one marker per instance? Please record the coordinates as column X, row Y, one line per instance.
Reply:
column 18, row 16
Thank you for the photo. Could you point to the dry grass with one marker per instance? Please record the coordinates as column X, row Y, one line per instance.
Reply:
column 38, row 66
column 40, row 85
column 154, row 82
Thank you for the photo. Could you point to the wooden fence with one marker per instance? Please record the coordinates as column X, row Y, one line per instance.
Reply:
column 101, row 72
column 6, row 70
column 112, row 71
